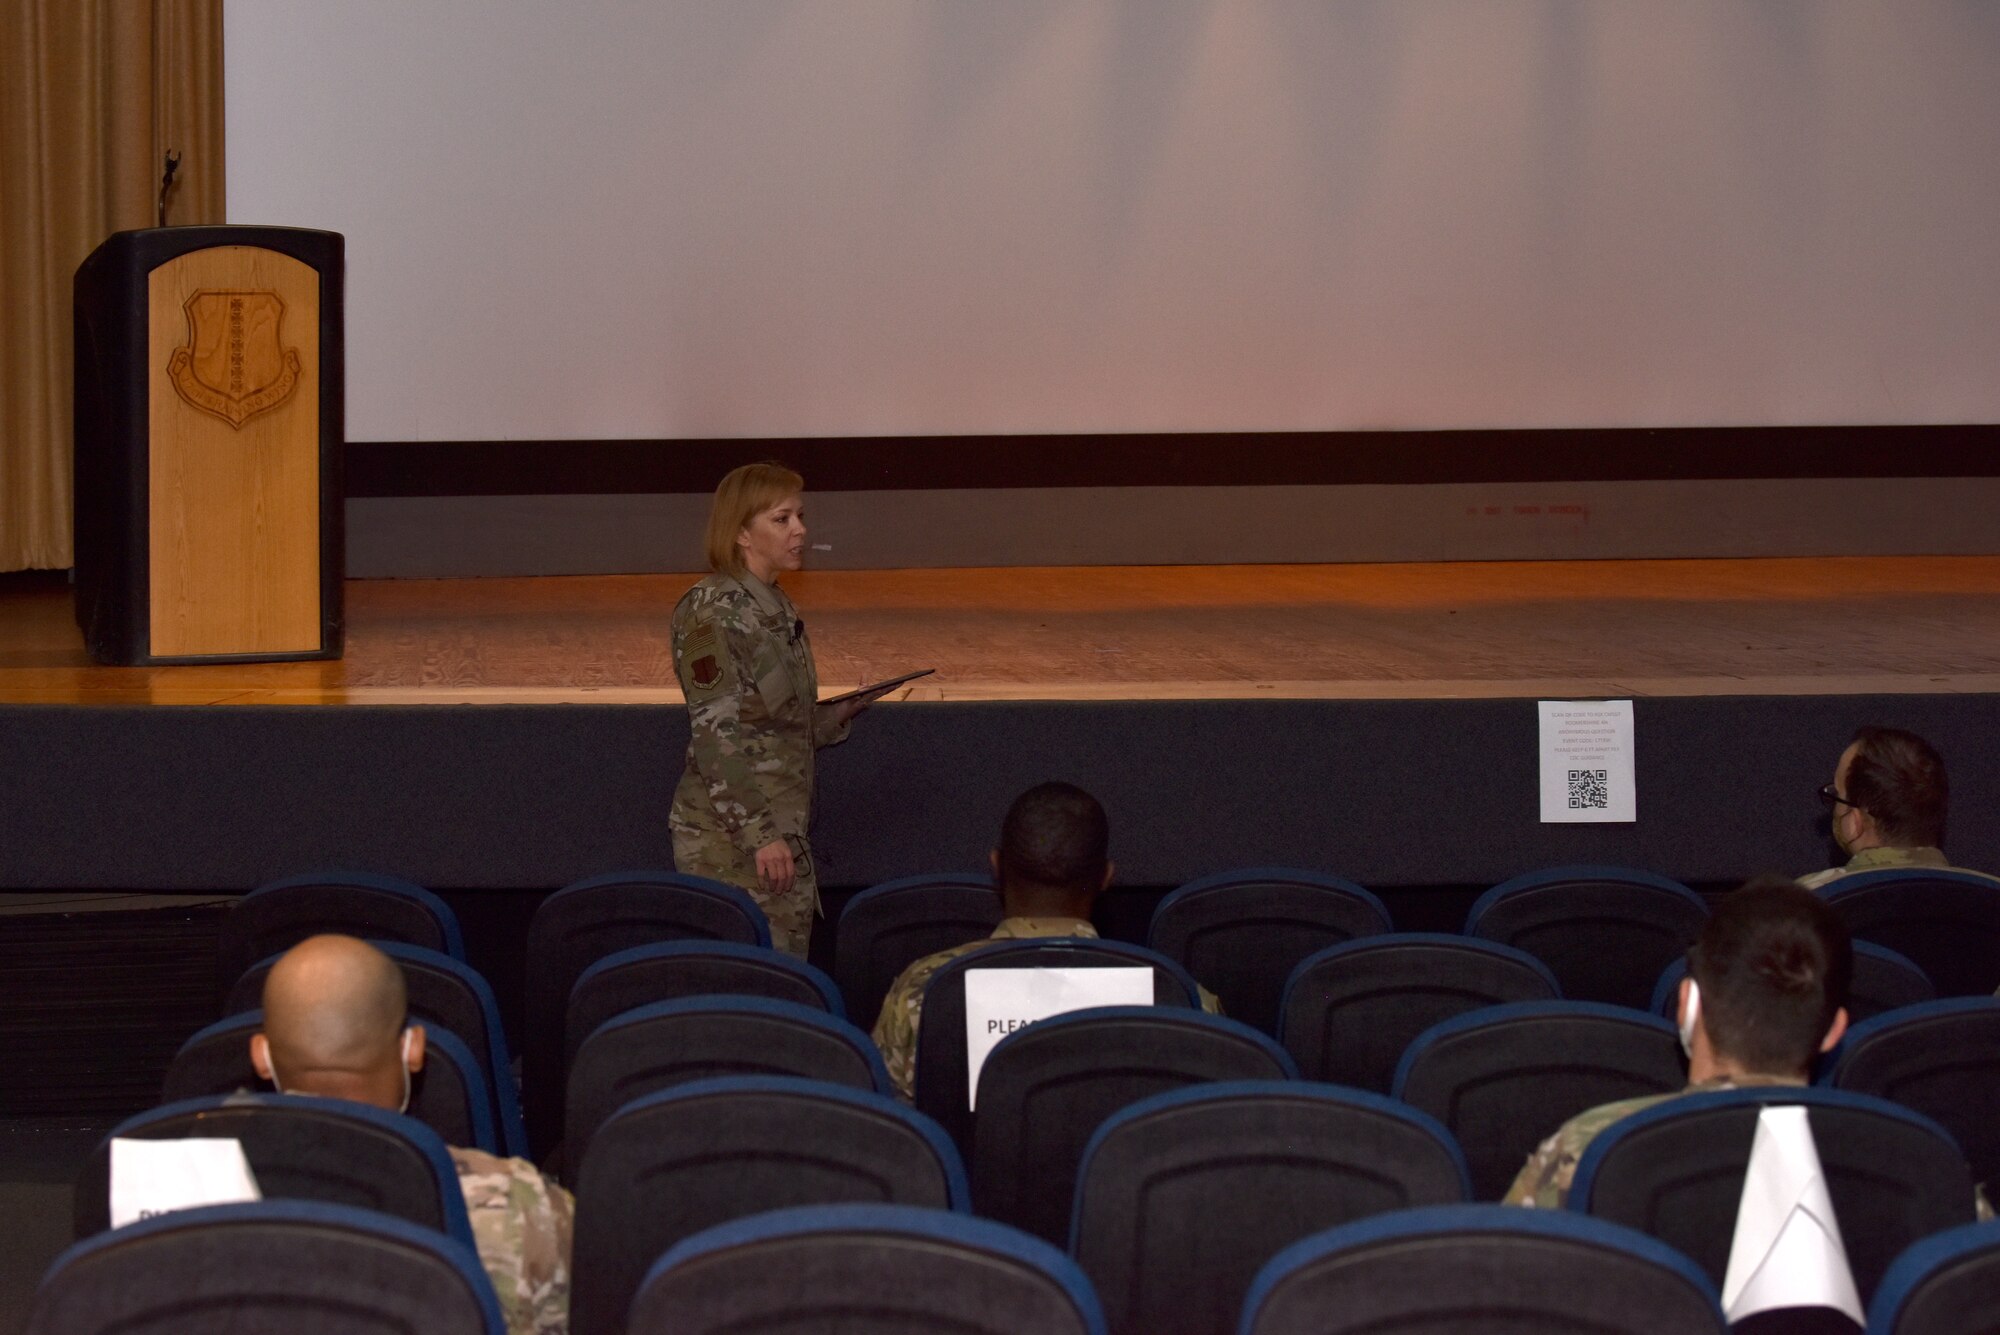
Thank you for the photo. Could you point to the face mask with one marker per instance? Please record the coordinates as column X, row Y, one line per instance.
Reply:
column 1690, row 1014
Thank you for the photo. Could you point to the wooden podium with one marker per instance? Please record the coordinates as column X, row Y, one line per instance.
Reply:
column 209, row 426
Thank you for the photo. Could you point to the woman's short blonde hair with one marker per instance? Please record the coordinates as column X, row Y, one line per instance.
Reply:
column 740, row 496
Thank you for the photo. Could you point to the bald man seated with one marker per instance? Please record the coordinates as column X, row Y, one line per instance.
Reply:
column 336, row 1024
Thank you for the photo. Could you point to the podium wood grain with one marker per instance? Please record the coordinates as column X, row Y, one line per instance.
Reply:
column 234, row 507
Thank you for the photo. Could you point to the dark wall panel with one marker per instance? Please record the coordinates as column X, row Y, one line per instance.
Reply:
column 1388, row 792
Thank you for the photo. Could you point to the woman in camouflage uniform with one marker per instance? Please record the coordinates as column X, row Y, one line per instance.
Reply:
column 741, row 810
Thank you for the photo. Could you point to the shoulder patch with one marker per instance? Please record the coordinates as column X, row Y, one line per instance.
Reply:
column 705, row 662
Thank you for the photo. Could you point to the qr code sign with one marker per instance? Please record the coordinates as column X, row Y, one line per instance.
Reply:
column 1588, row 790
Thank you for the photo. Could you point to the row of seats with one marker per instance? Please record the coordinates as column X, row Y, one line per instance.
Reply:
column 1191, row 1205
column 1347, row 1012
column 1605, row 932
column 1352, row 1014
column 1163, row 1047
column 1489, row 1085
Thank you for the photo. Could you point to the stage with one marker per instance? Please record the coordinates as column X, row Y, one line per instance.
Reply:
column 1433, row 631
column 1377, row 721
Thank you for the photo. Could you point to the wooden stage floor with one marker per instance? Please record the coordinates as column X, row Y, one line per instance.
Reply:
column 1495, row 629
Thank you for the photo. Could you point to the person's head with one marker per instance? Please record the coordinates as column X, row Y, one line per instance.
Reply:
column 757, row 521
column 1051, row 860
column 336, row 1025
column 1767, row 982
column 1888, row 791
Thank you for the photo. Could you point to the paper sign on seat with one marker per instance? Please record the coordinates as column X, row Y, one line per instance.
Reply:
column 1787, row 1250
column 150, row 1177
column 1000, row 1001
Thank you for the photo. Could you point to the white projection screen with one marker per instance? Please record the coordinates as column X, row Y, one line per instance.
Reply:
column 670, row 219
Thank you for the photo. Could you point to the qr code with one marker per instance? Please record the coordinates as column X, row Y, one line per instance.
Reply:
column 1588, row 791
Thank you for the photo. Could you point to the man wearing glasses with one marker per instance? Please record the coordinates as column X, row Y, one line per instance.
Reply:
column 1887, row 800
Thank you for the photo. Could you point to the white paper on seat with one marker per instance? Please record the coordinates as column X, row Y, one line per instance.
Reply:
column 999, row 1001
column 1787, row 1250
column 150, row 1177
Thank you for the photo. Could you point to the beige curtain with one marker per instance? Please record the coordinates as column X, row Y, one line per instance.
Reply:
column 92, row 95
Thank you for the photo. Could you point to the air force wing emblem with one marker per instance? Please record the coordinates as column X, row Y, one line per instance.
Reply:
column 707, row 668
column 233, row 365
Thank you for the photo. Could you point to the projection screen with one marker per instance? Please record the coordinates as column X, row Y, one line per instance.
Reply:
column 747, row 218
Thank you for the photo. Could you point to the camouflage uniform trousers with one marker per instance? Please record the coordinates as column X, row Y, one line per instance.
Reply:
column 523, row 1225
column 713, row 854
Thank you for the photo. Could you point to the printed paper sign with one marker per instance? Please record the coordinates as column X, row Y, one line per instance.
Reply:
column 1587, row 761
column 1000, row 1001
column 1787, row 1250
column 150, row 1177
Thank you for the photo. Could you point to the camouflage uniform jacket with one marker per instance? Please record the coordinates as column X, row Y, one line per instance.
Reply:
column 746, row 668
column 522, row 1223
column 1544, row 1180
column 902, row 1009
column 1879, row 859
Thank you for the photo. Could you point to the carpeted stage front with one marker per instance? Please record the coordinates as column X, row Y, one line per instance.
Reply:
column 1374, row 721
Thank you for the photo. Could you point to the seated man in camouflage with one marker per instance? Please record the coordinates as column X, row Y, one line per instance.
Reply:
column 1765, row 994
column 1051, row 867
column 335, row 1025
column 1888, row 797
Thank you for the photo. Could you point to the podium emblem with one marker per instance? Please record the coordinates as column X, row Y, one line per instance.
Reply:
column 234, row 365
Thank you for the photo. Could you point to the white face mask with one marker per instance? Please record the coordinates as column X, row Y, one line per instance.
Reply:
column 1689, row 1015
column 404, row 1051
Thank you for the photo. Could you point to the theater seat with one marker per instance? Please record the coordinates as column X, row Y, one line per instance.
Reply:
column 1946, row 1284
column 1181, row 1198
column 1350, row 1010
column 672, row 970
column 1241, row 933
column 275, row 917
column 1504, row 1078
column 674, row 1042
column 1466, row 1269
column 300, row 1267
column 1605, row 932
column 1939, row 1058
column 941, row 1076
column 1045, row 1090
column 1948, row 922
column 1675, row 1171
column 667, row 1166
column 888, row 927
column 885, row 1269
column 329, row 1150
column 582, row 923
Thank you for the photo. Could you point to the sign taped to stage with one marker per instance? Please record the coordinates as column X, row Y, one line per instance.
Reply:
column 1587, row 766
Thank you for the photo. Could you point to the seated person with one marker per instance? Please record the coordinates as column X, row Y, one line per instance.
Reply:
column 1765, row 994
column 1051, row 867
column 336, row 1025
column 1888, row 796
